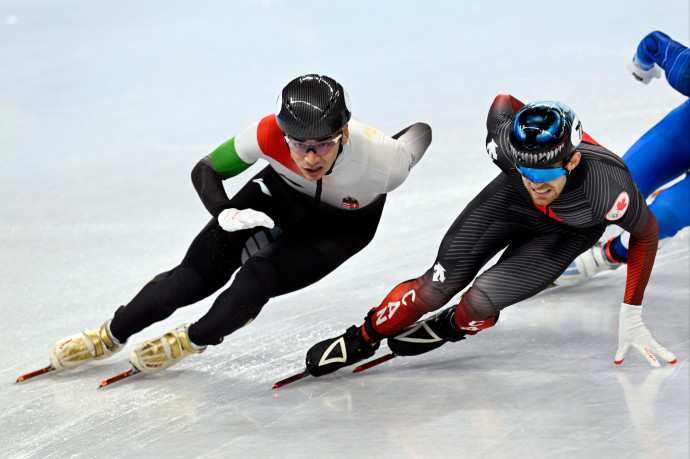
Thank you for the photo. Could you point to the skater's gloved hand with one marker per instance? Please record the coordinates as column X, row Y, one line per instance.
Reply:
column 641, row 73
column 235, row 220
column 632, row 332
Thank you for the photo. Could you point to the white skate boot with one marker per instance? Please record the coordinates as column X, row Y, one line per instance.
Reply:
column 587, row 264
column 94, row 344
column 161, row 353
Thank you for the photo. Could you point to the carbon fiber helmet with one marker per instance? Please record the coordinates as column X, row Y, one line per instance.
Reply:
column 312, row 107
column 544, row 133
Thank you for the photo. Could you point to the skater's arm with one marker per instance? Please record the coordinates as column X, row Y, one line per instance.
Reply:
column 658, row 48
column 397, row 155
column 209, row 173
column 641, row 254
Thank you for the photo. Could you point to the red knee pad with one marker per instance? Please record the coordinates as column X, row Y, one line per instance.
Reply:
column 462, row 320
column 401, row 307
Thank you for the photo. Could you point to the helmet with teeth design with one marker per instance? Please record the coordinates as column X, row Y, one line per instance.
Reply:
column 544, row 133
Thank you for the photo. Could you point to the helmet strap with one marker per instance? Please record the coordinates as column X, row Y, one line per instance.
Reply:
column 567, row 162
column 340, row 150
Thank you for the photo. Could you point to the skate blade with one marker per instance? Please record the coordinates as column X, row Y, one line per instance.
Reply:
column 47, row 369
column 373, row 363
column 291, row 379
column 120, row 377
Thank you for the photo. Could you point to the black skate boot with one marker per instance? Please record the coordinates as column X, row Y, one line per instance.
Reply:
column 335, row 353
column 427, row 335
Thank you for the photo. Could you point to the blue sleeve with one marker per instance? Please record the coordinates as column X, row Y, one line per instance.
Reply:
column 674, row 58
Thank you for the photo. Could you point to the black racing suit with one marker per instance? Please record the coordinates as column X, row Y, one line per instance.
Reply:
column 539, row 241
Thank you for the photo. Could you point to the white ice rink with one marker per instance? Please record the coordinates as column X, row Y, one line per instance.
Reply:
column 106, row 106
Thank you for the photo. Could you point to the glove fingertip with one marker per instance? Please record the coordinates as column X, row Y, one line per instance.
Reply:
column 666, row 355
column 620, row 353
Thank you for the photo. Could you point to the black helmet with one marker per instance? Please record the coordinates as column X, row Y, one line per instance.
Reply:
column 312, row 107
column 544, row 133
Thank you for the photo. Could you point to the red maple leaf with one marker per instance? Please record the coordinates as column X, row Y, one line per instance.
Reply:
column 622, row 204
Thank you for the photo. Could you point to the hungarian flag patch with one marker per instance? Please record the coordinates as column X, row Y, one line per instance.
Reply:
column 350, row 203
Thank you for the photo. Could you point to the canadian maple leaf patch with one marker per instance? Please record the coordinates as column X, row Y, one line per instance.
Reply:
column 619, row 207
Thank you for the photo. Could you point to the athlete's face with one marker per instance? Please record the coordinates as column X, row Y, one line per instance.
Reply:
column 315, row 163
column 544, row 193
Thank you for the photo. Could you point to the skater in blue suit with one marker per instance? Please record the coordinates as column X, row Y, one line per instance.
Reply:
column 660, row 156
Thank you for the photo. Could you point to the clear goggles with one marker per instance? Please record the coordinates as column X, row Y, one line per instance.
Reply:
column 541, row 175
column 319, row 147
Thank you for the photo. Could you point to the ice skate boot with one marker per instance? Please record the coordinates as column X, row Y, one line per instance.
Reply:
column 161, row 353
column 586, row 265
column 335, row 353
column 435, row 331
column 427, row 335
column 93, row 344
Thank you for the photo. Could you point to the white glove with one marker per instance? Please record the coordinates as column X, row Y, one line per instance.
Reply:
column 642, row 74
column 235, row 220
column 632, row 332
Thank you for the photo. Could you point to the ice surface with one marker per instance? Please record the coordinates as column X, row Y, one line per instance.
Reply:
column 106, row 106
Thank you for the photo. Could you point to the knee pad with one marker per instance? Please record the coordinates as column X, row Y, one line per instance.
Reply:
column 463, row 321
column 405, row 304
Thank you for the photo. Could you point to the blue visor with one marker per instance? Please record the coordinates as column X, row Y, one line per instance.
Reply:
column 542, row 175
